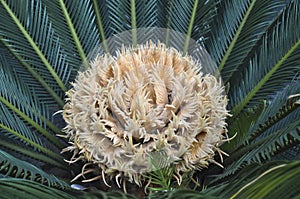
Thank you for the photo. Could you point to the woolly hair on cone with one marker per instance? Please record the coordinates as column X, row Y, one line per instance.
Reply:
column 143, row 100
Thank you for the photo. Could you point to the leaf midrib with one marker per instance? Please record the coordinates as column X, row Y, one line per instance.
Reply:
column 236, row 36
column 34, row 46
column 41, row 148
column 73, row 33
column 238, row 108
column 47, row 87
column 190, row 27
column 31, row 153
column 31, row 122
column 100, row 26
column 133, row 23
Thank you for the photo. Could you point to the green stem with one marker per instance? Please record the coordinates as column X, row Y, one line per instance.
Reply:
column 52, row 126
column 253, row 181
column 236, row 36
column 277, row 181
column 190, row 28
column 133, row 23
column 238, row 108
column 169, row 24
column 74, row 34
column 31, row 122
column 39, row 147
column 272, row 120
column 36, row 76
column 100, row 26
column 31, row 153
column 34, row 46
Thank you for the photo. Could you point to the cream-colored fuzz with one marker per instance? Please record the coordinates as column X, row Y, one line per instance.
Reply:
column 124, row 109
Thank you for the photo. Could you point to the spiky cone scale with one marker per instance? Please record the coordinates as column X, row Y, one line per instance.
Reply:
column 151, row 98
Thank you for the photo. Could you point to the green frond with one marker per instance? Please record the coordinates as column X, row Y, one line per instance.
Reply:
column 279, row 57
column 82, row 15
column 21, row 109
column 226, row 27
column 43, row 91
column 272, row 180
column 103, row 16
column 181, row 15
column 278, row 141
column 13, row 122
column 27, row 153
column 21, row 117
column 108, row 195
column 280, row 181
column 280, row 111
column 237, row 28
column 284, row 74
column 21, row 35
column 147, row 13
column 23, row 189
column 182, row 194
column 72, row 30
column 133, row 22
column 240, row 128
column 12, row 133
column 182, row 18
column 100, row 19
column 163, row 13
column 13, row 167
column 59, row 24
column 190, row 18
column 74, row 26
column 288, row 152
column 161, row 176
column 13, row 117
column 205, row 13
column 119, row 15
column 261, row 150
column 275, row 130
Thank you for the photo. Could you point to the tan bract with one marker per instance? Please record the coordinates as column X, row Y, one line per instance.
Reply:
column 145, row 100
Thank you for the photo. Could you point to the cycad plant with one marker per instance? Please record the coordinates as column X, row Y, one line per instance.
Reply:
column 48, row 46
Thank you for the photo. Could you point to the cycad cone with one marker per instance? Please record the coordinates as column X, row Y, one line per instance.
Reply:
column 145, row 100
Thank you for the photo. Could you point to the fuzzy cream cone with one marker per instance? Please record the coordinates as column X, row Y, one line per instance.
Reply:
column 149, row 99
